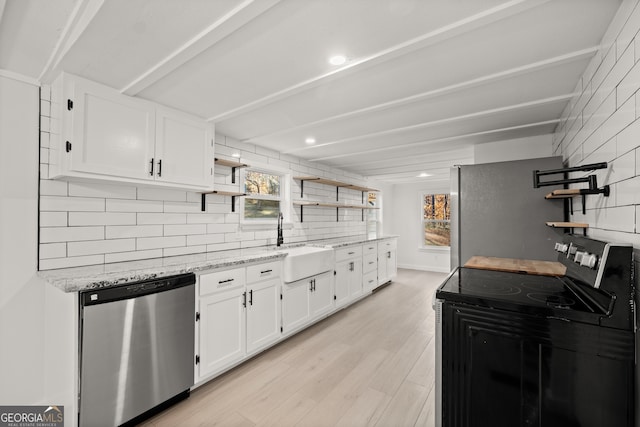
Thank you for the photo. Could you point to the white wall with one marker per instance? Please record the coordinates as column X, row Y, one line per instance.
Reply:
column 402, row 216
column 602, row 124
column 531, row 147
column 22, row 296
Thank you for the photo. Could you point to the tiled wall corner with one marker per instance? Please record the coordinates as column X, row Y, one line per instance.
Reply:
column 602, row 124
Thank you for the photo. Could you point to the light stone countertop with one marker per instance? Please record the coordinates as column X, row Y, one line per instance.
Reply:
column 79, row 279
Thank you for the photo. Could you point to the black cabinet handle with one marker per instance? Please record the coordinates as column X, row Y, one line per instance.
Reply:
column 314, row 285
column 311, row 285
column 160, row 167
column 389, row 255
column 265, row 271
column 251, row 297
column 351, row 253
column 244, row 299
column 220, row 282
column 151, row 162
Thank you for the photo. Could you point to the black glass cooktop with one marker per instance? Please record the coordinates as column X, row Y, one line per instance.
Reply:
column 546, row 295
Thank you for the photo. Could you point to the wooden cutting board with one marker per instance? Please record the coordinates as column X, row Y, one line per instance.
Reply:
column 540, row 268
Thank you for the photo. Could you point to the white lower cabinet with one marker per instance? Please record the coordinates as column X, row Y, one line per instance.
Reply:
column 238, row 315
column 263, row 314
column 387, row 261
column 348, row 280
column 221, row 331
column 306, row 300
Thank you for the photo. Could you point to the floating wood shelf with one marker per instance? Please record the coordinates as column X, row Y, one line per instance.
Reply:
column 570, row 193
column 331, row 182
column 338, row 206
column 571, row 225
column 232, row 164
column 233, row 195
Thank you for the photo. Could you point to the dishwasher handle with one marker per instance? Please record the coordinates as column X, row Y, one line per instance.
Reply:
column 136, row 289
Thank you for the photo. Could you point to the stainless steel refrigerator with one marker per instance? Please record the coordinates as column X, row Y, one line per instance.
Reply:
column 495, row 211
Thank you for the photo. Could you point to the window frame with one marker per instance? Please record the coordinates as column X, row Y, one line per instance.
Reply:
column 423, row 221
column 284, row 198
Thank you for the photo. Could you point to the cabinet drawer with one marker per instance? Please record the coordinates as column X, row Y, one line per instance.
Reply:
column 387, row 245
column 369, row 248
column 348, row 253
column 221, row 280
column 259, row 272
column 370, row 262
column 370, row 280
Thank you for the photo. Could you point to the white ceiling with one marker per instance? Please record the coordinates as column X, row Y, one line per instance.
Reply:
column 425, row 80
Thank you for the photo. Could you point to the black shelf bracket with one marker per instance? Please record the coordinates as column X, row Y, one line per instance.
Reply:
column 203, row 202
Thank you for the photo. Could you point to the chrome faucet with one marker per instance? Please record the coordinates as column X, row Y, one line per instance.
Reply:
column 280, row 240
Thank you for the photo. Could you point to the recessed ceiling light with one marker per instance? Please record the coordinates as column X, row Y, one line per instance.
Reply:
column 424, row 175
column 236, row 155
column 310, row 140
column 337, row 60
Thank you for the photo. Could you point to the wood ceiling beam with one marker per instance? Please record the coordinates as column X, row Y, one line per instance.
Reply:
column 459, row 27
column 448, row 139
column 227, row 24
column 80, row 18
column 433, row 123
column 445, row 90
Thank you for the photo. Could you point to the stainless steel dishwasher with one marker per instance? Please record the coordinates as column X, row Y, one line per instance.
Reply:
column 137, row 349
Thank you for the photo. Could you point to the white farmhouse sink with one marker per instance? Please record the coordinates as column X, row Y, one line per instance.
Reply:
column 306, row 261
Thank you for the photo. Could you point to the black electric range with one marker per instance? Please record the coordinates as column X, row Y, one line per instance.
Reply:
column 516, row 349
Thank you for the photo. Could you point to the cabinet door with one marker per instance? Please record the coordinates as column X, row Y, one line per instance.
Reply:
column 383, row 276
column 263, row 314
column 295, row 304
column 110, row 134
column 392, row 264
column 355, row 278
column 321, row 298
column 342, row 283
column 184, row 149
column 222, row 330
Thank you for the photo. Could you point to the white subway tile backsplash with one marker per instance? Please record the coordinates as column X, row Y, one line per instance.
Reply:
column 122, row 231
column 53, row 250
column 50, row 264
column 187, row 250
column 161, row 218
column 184, row 229
column 53, row 219
column 92, row 189
column 152, row 193
column 120, row 205
column 51, row 187
column 160, row 242
column 628, row 138
column 182, row 207
column 80, row 204
column 132, row 256
column 100, row 247
column 70, row 234
column 205, row 239
column 101, row 218
column 627, row 192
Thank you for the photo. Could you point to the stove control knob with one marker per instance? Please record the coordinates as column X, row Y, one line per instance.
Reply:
column 579, row 256
column 562, row 247
column 589, row 260
column 571, row 250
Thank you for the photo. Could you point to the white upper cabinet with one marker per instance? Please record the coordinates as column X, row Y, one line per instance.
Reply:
column 183, row 149
column 106, row 135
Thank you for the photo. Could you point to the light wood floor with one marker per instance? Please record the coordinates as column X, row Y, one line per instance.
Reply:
column 371, row 364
